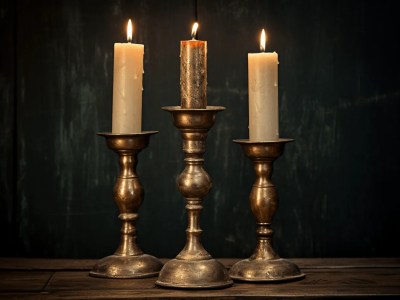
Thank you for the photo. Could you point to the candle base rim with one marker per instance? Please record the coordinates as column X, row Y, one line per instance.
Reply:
column 208, row 108
column 248, row 141
column 132, row 134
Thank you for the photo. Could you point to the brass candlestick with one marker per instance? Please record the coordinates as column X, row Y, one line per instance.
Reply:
column 128, row 261
column 264, row 264
column 194, row 267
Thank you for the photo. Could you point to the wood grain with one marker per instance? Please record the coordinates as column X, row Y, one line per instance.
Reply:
column 27, row 281
column 325, row 278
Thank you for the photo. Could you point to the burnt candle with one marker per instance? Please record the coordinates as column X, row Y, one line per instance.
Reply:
column 193, row 72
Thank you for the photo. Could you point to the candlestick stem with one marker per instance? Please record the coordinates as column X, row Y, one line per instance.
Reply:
column 128, row 261
column 194, row 267
column 265, row 264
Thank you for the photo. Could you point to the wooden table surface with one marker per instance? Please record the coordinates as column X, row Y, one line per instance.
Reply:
column 25, row 278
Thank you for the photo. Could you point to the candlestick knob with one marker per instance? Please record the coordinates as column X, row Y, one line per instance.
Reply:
column 194, row 267
column 264, row 264
column 128, row 261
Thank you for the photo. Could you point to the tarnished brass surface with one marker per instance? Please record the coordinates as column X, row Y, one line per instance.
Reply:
column 194, row 274
column 127, row 266
column 128, row 261
column 264, row 264
column 194, row 267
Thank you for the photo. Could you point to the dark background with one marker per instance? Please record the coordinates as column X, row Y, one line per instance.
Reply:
column 339, row 93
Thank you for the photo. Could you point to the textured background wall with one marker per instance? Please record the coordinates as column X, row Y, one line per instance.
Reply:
column 339, row 92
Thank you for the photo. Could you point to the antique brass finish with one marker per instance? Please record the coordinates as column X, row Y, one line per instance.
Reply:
column 194, row 267
column 264, row 264
column 128, row 261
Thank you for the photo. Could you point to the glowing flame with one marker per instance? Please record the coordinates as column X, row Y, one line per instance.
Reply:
column 262, row 41
column 129, row 31
column 194, row 30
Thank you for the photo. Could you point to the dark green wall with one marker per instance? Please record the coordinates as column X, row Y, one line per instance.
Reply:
column 339, row 93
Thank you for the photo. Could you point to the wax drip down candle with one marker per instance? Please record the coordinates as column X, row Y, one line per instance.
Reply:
column 193, row 72
column 263, row 94
column 127, row 86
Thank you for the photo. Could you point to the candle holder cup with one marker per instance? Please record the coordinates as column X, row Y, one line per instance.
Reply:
column 264, row 264
column 194, row 268
column 128, row 261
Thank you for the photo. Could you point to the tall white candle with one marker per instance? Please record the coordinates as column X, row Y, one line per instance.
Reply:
column 263, row 94
column 127, row 86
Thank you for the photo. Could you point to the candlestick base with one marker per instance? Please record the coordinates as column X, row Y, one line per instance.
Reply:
column 264, row 264
column 128, row 261
column 131, row 266
column 258, row 270
column 194, row 268
column 194, row 274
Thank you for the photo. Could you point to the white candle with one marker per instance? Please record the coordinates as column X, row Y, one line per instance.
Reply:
column 127, row 86
column 263, row 94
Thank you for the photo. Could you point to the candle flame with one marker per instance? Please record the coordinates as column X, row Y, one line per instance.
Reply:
column 129, row 31
column 262, row 41
column 194, row 30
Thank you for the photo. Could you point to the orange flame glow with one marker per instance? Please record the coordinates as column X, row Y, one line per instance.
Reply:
column 194, row 30
column 129, row 31
column 262, row 41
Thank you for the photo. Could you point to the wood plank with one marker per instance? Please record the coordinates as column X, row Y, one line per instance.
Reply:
column 23, row 280
column 332, row 262
column 82, row 281
column 334, row 282
column 331, row 277
column 350, row 262
column 337, row 286
column 86, row 264
column 20, row 295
